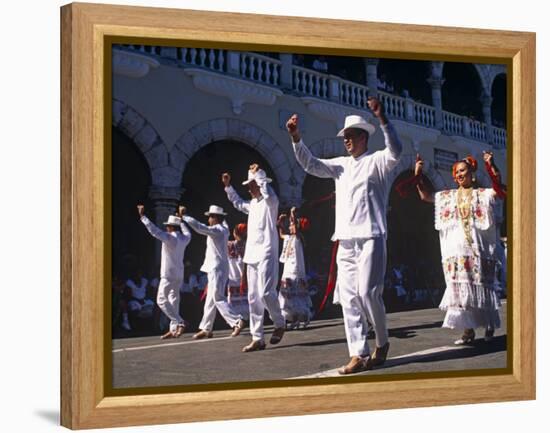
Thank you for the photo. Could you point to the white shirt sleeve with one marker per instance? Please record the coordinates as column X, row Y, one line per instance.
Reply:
column 326, row 168
column 268, row 194
column 388, row 158
column 237, row 201
column 203, row 229
column 156, row 232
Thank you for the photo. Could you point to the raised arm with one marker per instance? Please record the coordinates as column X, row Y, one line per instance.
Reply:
column 233, row 197
column 391, row 140
column 424, row 191
column 326, row 168
column 184, row 229
column 261, row 180
column 494, row 174
column 203, row 229
column 280, row 222
column 153, row 229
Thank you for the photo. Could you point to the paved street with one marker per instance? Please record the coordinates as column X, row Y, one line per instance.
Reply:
column 417, row 344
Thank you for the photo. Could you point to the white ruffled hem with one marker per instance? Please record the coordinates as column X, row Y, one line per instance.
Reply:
column 470, row 296
column 457, row 318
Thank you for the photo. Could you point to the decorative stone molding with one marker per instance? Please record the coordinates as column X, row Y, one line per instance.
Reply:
column 166, row 193
column 131, row 64
column 416, row 133
column 212, row 130
column 237, row 90
column 332, row 111
column 474, row 147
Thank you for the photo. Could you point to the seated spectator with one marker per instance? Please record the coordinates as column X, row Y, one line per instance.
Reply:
column 320, row 64
column 120, row 296
column 139, row 305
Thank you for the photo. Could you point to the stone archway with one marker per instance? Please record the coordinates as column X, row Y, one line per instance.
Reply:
column 213, row 130
column 136, row 127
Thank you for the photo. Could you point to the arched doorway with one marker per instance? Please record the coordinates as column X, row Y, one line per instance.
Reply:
column 409, row 75
column 462, row 89
column 498, row 107
column 132, row 247
column 318, row 207
column 413, row 250
column 203, row 187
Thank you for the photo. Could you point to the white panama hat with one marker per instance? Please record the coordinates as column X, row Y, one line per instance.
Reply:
column 215, row 210
column 173, row 221
column 354, row 121
column 259, row 177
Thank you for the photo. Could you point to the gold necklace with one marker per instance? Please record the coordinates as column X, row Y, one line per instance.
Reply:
column 464, row 199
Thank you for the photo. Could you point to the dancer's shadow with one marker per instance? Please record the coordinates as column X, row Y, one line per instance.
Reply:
column 410, row 331
column 309, row 344
column 479, row 347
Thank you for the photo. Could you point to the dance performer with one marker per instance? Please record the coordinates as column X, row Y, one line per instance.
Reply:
column 174, row 243
column 362, row 185
column 467, row 233
column 216, row 265
column 261, row 254
column 294, row 297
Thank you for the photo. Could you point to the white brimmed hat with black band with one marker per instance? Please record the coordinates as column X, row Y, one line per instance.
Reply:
column 215, row 210
column 259, row 177
column 173, row 221
column 357, row 122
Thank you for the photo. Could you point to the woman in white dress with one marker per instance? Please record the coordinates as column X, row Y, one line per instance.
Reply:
column 467, row 232
column 293, row 294
column 237, row 293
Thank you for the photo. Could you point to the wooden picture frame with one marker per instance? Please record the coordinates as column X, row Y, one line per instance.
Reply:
column 85, row 27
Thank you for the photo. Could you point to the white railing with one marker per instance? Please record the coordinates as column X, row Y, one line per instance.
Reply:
column 499, row 137
column 205, row 58
column 453, row 123
column 266, row 70
column 260, row 68
column 478, row 130
column 309, row 82
column 353, row 94
column 424, row 114
column 394, row 105
column 144, row 49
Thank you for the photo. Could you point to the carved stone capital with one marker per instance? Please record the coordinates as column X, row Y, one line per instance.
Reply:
column 238, row 90
column 132, row 64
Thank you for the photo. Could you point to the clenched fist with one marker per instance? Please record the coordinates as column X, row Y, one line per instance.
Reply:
column 226, row 179
column 292, row 128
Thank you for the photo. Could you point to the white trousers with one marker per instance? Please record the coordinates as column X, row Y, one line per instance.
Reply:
column 361, row 268
column 216, row 300
column 168, row 300
column 262, row 294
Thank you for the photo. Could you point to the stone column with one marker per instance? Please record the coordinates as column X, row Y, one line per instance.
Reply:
column 165, row 202
column 169, row 52
column 486, row 103
column 233, row 63
column 371, row 66
column 436, row 82
column 334, row 88
column 286, row 70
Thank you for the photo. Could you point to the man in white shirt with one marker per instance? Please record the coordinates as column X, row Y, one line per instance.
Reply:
column 362, row 187
column 174, row 243
column 261, row 254
column 216, row 265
